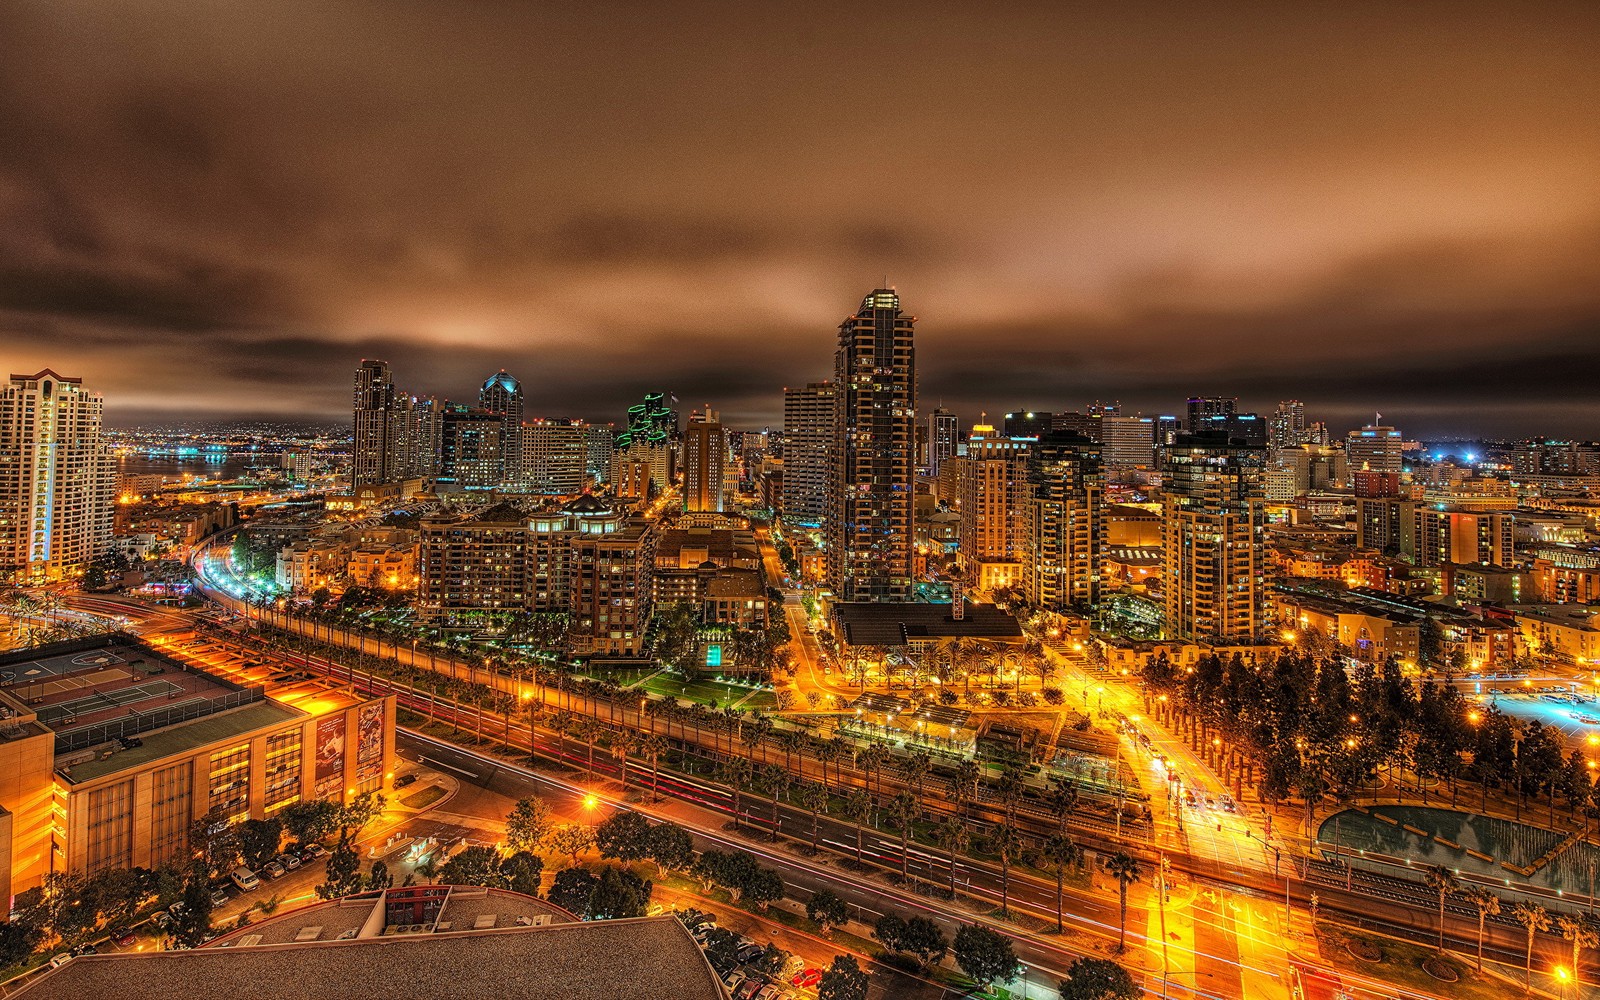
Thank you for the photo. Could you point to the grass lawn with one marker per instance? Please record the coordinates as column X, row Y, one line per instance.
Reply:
column 424, row 798
column 709, row 692
column 1402, row 965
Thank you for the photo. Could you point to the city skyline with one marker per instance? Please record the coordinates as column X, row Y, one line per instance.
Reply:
column 1162, row 208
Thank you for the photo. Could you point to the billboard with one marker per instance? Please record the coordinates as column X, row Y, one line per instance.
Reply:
column 330, row 757
column 369, row 742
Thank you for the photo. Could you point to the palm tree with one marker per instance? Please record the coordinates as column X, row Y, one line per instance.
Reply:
column 1011, row 786
column 776, row 781
column 1444, row 882
column 857, row 807
column 916, row 768
column 1123, row 867
column 1061, row 852
column 873, row 758
column 952, row 835
column 1488, row 905
column 790, row 741
column 965, row 782
column 1535, row 918
column 736, row 775
column 1580, row 930
column 814, row 798
column 652, row 747
column 1006, row 842
column 903, row 815
column 623, row 743
column 1061, row 800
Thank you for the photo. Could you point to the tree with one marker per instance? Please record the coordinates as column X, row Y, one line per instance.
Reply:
column 192, row 925
column 617, row 894
column 1534, row 918
column 827, row 910
column 857, row 807
column 1444, row 882
column 722, row 947
column 1580, row 931
column 1060, row 851
column 1488, row 905
column 259, row 840
column 951, row 834
column 572, row 889
column 17, row 942
column 363, row 810
column 764, row 886
column 523, row 872
column 671, row 846
column 922, row 939
column 985, row 956
column 571, row 840
column 1123, row 867
column 378, row 876
column 1006, row 842
column 474, row 866
column 344, row 871
column 1098, row 979
column 903, row 817
column 311, row 821
column 843, row 980
column 527, row 824
column 624, row 836
column 889, row 929
column 814, row 798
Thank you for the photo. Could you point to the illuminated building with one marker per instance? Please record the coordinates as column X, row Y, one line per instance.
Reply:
column 599, row 442
column 502, row 395
column 57, row 478
column 1375, row 448
column 370, row 458
column 869, row 522
column 807, row 445
column 1066, row 522
column 555, row 457
column 1288, row 428
column 472, row 448
column 1212, row 537
column 943, row 431
column 991, row 484
column 1202, row 408
column 1026, row 423
column 1129, row 442
column 705, row 461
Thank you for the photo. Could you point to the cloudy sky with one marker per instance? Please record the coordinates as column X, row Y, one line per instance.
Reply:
column 221, row 208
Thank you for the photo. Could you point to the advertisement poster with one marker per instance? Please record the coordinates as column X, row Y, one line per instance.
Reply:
column 330, row 757
column 369, row 739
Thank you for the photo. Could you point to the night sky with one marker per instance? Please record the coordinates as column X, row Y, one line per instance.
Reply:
column 1388, row 207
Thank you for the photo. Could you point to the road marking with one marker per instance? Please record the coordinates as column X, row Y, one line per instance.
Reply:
column 471, row 774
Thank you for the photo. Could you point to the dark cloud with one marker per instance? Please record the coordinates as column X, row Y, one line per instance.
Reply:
column 1375, row 207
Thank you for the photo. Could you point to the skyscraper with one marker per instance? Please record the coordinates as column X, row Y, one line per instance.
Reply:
column 991, row 484
column 502, row 394
column 554, row 457
column 1375, row 448
column 1066, row 485
column 1288, row 426
column 57, row 480
column 371, row 460
column 705, row 457
column 870, row 498
column 1201, row 407
column 1212, row 534
column 807, row 445
column 472, row 448
column 1130, row 442
column 942, row 433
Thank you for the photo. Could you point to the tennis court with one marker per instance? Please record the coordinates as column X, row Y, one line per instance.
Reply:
column 99, row 701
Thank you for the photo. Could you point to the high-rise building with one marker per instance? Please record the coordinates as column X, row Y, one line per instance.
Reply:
column 554, row 457
column 1212, row 534
column 1027, row 423
column 870, row 485
column 1374, row 448
column 1288, row 425
column 57, row 479
column 807, row 445
column 502, row 395
column 943, row 430
column 599, row 442
column 991, row 491
column 1062, row 558
column 371, row 453
column 1129, row 442
column 705, row 460
column 472, row 447
column 1201, row 407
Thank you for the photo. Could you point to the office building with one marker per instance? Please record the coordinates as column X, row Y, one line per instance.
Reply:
column 1212, row 539
column 599, row 444
column 1288, row 428
column 705, row 463
column 371, row 458
column 1374, row 448
column 1129, row 442
column 1066, row 530
column 943, row 432
column 502, row 395
column 555, row 457
column 1200, row 408
column 991, row 490
column 807, row 447
column 57, row 479
column 472, row 444
column 870, row 485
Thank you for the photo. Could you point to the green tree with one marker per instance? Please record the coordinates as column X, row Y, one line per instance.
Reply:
column 722, row 947
column 618, row 893
column 1488, row 905
column 1006, row 842
column 843, row 980
column 1123, row 867
column 1060, row 851
column 827, row 910
column 259, row 840
column 344, row 871
column 378, row 876
column 1098, row 979
column 570, row 840
column 625, row 836
column 527, row 824
column 985, row 956
column 903, row 817
column 17, row 942
column 474, row 866
column 1444, row 882
column 192, row 925
column 671, row 847
column 572, row 889
column 922, row 939
column 764, row 886
column 523, row 872
column 311, row 821
column 1579, row 931
column 857, row 807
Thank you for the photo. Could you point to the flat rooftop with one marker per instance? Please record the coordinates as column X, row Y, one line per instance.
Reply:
column 652, row 958
column 866, row 624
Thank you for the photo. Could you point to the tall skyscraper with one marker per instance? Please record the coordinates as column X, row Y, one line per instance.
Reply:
column 1288, row 426
column 870, row 486
column 599, row 441
column 472, row 448
column 807, row 445
column 1374, row 448
column 1212, row 538
column 554, row 457
column 502, row 394
column 371, row 458
column 705, row 459
column 1066, row 487
column 57, row 480
column 943, row 430
column 1201, row 407
column 991, row 483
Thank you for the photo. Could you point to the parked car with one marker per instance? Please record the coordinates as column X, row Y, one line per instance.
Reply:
column 245, row 879
column 122, row 937
column 750, row 952
column 273, row 870
column 313, row 851
column 289, row 861
column 219, row 897
column 60, row 960
column 404, row 780
column 806, row 978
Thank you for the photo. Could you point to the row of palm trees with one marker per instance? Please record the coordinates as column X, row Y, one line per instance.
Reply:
column 1581, row 930
column 957, row 658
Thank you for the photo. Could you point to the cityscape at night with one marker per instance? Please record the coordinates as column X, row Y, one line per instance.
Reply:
column 677, row 501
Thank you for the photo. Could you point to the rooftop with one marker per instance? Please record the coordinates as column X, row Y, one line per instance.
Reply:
column 864, row 624
column 646, row 959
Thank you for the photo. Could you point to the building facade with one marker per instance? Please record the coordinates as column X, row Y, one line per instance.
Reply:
column 807, row 447
column 1212, row 539
column 502, row 395
column 1066, row 522
column 705, row 463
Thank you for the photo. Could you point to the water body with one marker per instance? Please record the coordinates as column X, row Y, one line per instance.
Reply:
column 214, row 466
column 1503, row 840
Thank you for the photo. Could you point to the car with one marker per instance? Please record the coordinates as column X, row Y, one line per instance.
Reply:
column 734, row 979
column 219, row 897
column 313, row 851
column 60, row 960
column 85, row 949
column 806, row 978
column 122, row 937
column 245, row 879
column 289, row 861
column 769, row 992
column 161, row 919
column 749, row 989
column 749, row 952
column 273, row 870
column 404, row 780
